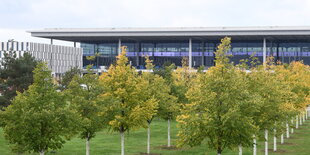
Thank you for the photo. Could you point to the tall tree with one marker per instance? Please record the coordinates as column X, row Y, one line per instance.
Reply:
column 15, row 75
column 122, row 86
column 83, row 93
column 218, row 108
column 39, row 119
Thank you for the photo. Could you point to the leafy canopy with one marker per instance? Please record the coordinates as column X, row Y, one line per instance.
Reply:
column 39, row 118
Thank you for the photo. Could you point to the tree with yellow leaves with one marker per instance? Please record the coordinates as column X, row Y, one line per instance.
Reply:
column 219, row 107
column 128, row 109
column 156, row 91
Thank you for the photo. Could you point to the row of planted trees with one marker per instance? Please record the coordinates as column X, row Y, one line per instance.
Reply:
column 229, row 106
column 233, row 106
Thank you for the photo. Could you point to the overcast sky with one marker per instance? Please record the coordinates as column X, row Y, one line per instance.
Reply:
column 18, row 16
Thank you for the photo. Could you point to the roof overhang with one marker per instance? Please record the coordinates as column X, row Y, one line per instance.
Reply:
column 199, row 33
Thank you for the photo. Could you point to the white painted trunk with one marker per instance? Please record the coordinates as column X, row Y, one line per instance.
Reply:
column 169, row 144
column 42, row 152
column 274, row 140
column 303, row 118
column 240, row 149
column 287, row 131
column 254, row 146
column 218, row 154
column 87, row 146
column 292, row 129
column 297, row 122
column 266, row 142
column 148, row 138
column 282, row 139
column 122, row 143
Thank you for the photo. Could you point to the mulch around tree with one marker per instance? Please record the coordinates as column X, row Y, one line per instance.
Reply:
column 278, row 151
column 287, row 143
column 293, row 137
column 165, row 147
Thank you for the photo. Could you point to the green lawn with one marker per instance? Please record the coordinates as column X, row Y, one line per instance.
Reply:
column 135, row 143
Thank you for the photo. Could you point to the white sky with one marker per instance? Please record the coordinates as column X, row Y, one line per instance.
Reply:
column 17, row 16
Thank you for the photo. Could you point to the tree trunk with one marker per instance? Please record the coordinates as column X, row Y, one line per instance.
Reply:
column 169, row 144
column 122, row 143
column 42, row 152
column 300, row 120
column 148, row 138
column 275, row 140
column 287, row 130
column 87, row 146
column 282, row 139
column 306, row 113
column 266, row 142
column 297, row 122
column 219, row 151
column 240, row 149
column 292, row 129
column 303, row 117
column 254, row 145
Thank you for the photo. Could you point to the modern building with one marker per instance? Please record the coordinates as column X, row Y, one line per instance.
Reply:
column 285, row 44
column 59, row 58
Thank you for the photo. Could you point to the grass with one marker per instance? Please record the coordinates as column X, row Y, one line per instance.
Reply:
column 135, row 143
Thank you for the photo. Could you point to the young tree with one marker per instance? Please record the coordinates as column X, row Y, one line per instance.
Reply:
column 39, row 118
column 219, row 107
column 169, row 109
column 15, row 75
column 83, row 93
column 155, row 89
column 122, row 86
column 269, row 115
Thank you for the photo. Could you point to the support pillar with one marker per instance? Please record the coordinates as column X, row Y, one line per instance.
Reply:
column 190, row 53
column 74, row 44
column 203, row 54
column 51, row 60
column 119, row 46
column 264, row 52
column 138, row 52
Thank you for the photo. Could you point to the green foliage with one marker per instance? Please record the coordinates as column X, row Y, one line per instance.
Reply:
column 219, row 107
column 156, row 87
column 15, row 75
column 269, row 92
column 83, row 93
column 39, row 119
column 68, row 76
column 122, row 85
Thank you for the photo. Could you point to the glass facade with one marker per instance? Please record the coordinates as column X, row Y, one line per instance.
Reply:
column 202, row 52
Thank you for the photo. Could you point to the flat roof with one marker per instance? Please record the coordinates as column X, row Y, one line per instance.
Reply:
column 174, row 33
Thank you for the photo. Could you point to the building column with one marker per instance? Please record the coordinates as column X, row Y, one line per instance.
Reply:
column 51, row 60
column 119, row 46
column 190, row 53
column 74, row 44
column 138, row 52
column 203, row 54
column 264, row 52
